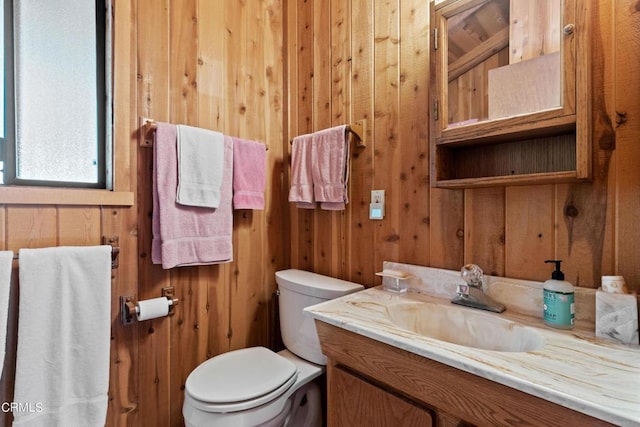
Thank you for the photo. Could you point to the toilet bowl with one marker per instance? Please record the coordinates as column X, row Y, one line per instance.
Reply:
column 252, row 387
column 258, row 387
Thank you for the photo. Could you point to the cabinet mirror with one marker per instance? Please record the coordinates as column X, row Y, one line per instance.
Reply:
column 509, row 79
column 503, row 59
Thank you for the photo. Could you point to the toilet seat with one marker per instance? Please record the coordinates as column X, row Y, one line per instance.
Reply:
column 240, row 380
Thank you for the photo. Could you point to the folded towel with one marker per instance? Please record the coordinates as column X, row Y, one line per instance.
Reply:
column 64, row 321
column 6, row 260
column 249, row 174
column 301, row 190
column 188, row 235
column 330, row 171
column 200, row 166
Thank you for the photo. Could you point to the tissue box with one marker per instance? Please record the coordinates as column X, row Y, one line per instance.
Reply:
column 617, row 317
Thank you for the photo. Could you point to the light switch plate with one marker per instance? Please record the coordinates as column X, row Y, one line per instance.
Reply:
column 377, row 196
column 376, row 208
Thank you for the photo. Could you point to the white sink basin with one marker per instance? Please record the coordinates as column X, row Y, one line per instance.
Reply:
column 464, row 326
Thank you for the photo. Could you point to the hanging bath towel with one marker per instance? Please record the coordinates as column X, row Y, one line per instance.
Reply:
column 188, row 235
column 64, row 321
column 6, row 260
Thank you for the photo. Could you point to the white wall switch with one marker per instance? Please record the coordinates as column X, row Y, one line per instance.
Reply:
column 377, row 196
column 376, row 208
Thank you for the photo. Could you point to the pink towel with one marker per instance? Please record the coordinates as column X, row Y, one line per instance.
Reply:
column 188, row 235
column 249, row 174
column 301, row 190
column 330, row 171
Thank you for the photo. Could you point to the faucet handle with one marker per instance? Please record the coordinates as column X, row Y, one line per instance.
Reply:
column 473, row 275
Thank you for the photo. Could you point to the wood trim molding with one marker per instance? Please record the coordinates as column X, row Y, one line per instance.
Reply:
column 13, row 195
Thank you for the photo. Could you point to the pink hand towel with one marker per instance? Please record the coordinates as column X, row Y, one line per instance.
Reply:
column 301, row 191
column 249, row 174
column 330, row 167
column 188, row 235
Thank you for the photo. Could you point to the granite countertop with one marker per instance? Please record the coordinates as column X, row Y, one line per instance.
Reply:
column 575, row 369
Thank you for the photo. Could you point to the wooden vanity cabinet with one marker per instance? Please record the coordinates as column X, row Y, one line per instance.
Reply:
column 370, row 383
column 355, row 401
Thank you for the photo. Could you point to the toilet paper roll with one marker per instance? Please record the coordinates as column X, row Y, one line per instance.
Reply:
column 153, row 308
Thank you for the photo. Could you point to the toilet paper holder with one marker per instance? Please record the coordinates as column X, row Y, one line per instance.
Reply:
column 129, row 306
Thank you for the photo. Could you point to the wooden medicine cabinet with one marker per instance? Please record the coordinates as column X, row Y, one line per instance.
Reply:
column 510, row 91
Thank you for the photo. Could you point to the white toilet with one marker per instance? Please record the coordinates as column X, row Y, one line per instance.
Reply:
column 257, row 387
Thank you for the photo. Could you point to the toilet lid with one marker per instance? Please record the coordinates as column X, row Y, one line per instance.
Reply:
column 240, row 375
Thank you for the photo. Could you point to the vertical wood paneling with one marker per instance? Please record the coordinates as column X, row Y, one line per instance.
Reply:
column 484, row 229
column 123, row 409
column 361, row 267
column 327, row 228
column 213, row 316
column 626, row 45
column 248, row 306
column 79, row 226
column 587, row 212
column 183, row 109
column 413, row 132
column 536, row 29
column 276, row 244
column 446, row 237
column 239, row 66
column 302, row 60
column 340, row 106
column 31, row 227
column 530, row 231
column 153, row 101
column 386, row 110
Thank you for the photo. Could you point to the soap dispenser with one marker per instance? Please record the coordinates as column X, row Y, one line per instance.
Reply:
column 559, row 305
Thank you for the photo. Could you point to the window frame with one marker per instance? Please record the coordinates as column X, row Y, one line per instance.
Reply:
column 104, row 96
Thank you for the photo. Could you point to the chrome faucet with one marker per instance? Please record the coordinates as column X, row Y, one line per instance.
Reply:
column 472, row 294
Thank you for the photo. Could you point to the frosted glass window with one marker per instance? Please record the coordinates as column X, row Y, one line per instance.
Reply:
column 56, row 107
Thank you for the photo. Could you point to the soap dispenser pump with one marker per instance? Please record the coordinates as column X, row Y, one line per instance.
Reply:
column 559, row 305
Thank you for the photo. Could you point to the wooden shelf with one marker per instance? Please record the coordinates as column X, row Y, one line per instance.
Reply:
column 528, row 161
column 540, row 124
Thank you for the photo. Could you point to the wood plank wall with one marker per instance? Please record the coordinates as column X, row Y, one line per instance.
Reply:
column 508, row 231
column 273, row 69
column 213, row 64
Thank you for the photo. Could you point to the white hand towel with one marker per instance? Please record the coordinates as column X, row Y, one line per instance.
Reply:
column 6, row 259
column 200, row 167
column 62, row 362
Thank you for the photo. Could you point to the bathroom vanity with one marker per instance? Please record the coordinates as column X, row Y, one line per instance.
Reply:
column 369, row 381
column 386, row 368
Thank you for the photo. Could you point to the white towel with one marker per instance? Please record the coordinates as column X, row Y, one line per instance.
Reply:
column 200, row 166
column 6, row 259
column 62, row 362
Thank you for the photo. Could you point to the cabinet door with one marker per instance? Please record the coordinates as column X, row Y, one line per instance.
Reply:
column 353, row 401
column 511, row 92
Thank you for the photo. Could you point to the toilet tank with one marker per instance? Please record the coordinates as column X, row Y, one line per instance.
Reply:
column 299, row 289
